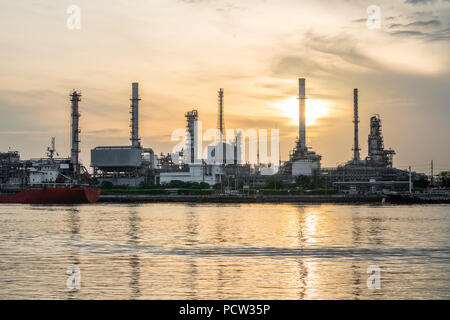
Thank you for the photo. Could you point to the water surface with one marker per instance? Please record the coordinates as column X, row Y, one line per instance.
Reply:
column 224, row 251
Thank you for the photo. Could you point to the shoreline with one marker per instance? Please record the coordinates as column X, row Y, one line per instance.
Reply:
column 335, row 198
column 353, row 199
column 125, row 198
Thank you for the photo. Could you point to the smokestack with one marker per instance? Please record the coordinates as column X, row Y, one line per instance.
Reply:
column 135, row 141
column 220, row 126
column 220, row 115
column 355, row 122
column 302, row 125
column 75, row 97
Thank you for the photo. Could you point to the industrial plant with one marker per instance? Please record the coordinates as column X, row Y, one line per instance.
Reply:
column 15, row 172
column 126, row 165
column 373, row 173
column 49, row 180
column 223, row 165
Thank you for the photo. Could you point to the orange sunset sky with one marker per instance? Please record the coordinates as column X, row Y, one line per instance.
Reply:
column 182, row 52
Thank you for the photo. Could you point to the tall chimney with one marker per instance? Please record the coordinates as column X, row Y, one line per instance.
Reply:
column 220, row 115
column 302, row 125
column 220, row 127
column 135, row 141
column 75, row 97
column 355, row 122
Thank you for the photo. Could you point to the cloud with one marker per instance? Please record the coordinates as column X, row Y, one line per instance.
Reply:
column 423, row 14
column 221, row 6
column 434, row 23
column 341, row 46
column 420, row 29
column 395, row 25
column 409, row 32
column 104, row 131
column 438, row 35
column 195, row 1
column 414, row 2
column 182, row 52
column 291, row 65
column 420, row 23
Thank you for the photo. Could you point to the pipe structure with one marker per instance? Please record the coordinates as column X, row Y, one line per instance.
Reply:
column 75, row 97
column 135, row 141
column 302, row 122
column 356, row 149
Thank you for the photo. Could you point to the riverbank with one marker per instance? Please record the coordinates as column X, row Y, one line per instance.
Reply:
column 127, row 198
column 333, row 198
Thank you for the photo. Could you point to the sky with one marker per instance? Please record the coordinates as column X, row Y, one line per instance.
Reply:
column 182, row 51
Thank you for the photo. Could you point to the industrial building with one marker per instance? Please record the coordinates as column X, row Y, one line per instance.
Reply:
column 302, row 160
column 11, row 167
column 194, row 172
column 376, row 171
column 193, row 168
column 16, row 173
column 372, row 174
column 126, row 165
column 224, row 160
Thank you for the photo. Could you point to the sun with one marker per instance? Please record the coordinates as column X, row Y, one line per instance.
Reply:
column 315, row 109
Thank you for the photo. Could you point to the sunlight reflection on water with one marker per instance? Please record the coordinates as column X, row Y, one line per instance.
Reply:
column 209, row 251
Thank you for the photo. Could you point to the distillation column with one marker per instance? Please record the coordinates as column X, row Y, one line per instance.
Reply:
column 192, row 119
column 356, row 149
column 75, row 97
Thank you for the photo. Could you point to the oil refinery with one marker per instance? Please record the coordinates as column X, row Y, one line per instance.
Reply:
column 224, row 163
column 222, row 166
column 48, row 180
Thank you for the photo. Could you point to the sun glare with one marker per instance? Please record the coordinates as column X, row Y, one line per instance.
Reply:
column 315, row 109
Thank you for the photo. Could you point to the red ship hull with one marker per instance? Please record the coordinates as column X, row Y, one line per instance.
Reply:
column 54, row 196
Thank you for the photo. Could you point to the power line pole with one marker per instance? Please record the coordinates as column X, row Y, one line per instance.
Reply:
column 432, row 174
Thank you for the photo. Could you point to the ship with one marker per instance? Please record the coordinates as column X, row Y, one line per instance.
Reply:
column 44, row 181
column 53, row 195
column 48, row 180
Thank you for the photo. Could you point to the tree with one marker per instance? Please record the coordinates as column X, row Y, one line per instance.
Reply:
column 273, row 183
column 145, row 185
column 204, row 185
column 304, row 182
column 444, row 179
column 422, row 182
column 176, row 184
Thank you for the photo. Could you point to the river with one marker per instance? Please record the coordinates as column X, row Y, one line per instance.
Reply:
column 229, row 251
